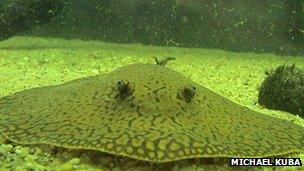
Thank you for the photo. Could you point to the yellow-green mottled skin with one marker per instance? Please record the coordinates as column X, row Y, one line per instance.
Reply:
column 151, row 124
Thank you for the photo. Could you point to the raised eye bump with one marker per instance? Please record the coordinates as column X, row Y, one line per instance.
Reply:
column 186, row 93
column 124, row 88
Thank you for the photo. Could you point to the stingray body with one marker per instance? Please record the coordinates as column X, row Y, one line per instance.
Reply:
column 145, row 112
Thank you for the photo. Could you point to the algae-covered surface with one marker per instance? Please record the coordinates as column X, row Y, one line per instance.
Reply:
column 34, row 62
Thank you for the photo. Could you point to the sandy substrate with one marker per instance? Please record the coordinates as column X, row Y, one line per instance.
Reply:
column 32, row 62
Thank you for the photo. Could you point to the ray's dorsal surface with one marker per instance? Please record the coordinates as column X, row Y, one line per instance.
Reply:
column 146, row 112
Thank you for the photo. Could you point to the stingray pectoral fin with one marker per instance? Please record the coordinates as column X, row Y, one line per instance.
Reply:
column 160, row 116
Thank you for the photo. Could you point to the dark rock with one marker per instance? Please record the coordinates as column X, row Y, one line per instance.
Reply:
column 283, row 89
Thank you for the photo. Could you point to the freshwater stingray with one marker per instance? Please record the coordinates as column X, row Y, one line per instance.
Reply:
column 146, row 112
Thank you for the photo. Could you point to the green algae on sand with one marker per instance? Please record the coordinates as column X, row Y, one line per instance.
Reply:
column 146, row 112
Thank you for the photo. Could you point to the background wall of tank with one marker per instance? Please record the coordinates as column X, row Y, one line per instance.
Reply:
column 19, row 15
column 246, row 25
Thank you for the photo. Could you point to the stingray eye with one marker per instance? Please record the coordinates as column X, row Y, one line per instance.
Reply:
column 122, row 84
column 119, row 82
column 187, row 93
column 124, row 88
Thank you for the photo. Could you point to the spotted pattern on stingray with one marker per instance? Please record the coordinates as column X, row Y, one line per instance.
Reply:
column 151, row 122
